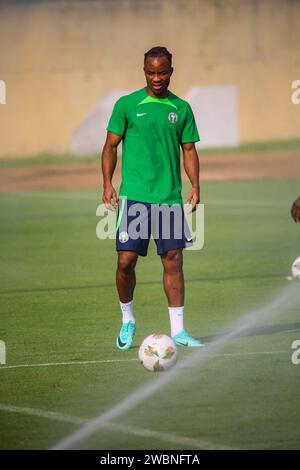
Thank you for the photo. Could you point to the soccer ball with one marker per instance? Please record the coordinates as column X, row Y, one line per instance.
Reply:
column 158, row 352
column 296, row 268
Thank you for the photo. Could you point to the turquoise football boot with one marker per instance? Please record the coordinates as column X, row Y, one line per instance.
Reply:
column 184, row 339
column 126, row 335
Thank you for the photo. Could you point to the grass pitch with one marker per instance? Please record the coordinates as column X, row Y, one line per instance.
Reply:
column 60, row 316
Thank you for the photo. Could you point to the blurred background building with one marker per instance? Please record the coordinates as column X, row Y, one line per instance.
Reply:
column 64, row 63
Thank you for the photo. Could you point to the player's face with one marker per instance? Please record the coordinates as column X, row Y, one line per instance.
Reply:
column 158, row 73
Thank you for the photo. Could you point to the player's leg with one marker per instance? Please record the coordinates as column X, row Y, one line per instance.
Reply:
column 129, row 247
column 173, row 279
column 125, row 275
column 172, row 238
column 125, row 282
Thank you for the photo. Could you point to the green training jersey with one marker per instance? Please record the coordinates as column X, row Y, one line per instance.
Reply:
column 152, row 131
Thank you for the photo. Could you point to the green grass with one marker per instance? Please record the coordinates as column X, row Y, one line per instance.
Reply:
column 252, row 147
column 53, row 160
column 59, row 304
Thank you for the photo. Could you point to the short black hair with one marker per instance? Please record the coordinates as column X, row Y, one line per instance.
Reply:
column 157, row 52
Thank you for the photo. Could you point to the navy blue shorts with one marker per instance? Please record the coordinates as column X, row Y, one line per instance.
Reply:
column 138, row 221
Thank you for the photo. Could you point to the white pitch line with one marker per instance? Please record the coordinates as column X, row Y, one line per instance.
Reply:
column 254, row 353
column 285, row 298
column 171, row 438
column 252, row 203
column 135, row 431
column 42, row 414
column 71, row 363
column 291, row 331
column 108, row 361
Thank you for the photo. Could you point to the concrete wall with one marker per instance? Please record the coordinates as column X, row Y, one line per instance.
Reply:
column 60, row 58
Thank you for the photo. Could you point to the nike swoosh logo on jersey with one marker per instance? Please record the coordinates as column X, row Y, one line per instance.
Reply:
column 143, row 114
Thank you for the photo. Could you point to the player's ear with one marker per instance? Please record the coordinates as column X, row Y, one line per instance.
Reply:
column 171, row 71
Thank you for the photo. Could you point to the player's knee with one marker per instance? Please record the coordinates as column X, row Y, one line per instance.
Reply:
column 173, row 260
column 126, row 263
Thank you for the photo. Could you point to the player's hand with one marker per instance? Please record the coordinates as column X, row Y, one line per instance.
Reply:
column 295, row 210
column 109, row 193
column 193, row 195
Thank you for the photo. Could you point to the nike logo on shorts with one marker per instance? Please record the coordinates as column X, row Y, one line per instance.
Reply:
column 142, row 114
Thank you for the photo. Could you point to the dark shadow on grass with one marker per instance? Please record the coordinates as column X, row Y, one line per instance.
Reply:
column 142, row 283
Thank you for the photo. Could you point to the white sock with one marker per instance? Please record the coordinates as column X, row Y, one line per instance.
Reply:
column 176, row 319
column 127, row 312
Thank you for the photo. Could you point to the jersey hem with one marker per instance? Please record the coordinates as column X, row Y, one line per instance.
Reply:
column 190, row 141
column 138, row 198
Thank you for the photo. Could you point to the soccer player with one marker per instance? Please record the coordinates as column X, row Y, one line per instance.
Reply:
column 153, row 124
column 295, row 210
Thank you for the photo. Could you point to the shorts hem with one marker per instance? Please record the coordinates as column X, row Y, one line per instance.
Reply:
column 172, row 248
column 133, row 251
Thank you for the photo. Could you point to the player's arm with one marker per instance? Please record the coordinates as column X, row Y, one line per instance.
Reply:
column 191, row 167
column 295, row 210
column 109, row 161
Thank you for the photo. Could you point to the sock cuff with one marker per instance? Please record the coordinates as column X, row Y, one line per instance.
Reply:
column 126, row 306
column 175, row 309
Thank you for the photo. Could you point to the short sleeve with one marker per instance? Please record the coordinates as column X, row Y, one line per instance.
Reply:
column 117, row 123
column 190, row 131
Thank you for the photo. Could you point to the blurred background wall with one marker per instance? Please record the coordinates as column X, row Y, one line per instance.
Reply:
column 59, row 58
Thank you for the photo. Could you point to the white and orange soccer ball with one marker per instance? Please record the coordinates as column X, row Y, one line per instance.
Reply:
column 158, row 352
